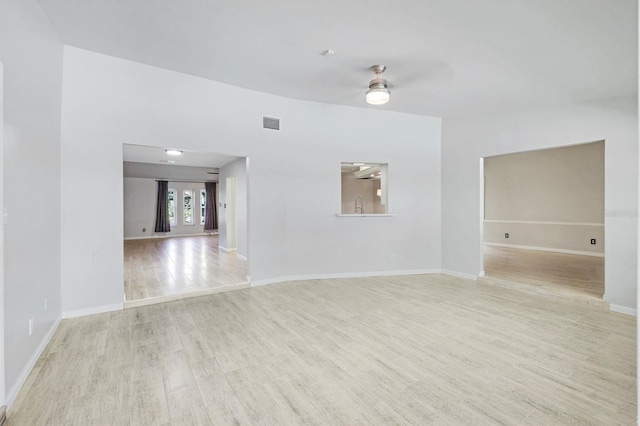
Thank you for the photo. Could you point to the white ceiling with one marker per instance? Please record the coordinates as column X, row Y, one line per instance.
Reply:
column 171, row 173
column 444, row 57
column 154, row 155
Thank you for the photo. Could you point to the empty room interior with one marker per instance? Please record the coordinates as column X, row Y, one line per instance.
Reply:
column 544, row 220
column 193, row 247
column 319, row 213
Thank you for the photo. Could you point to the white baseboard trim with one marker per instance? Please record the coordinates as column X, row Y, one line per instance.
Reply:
column 534, row 222
column 186, row 295
column 623, row 310
column 554, row 250
column 241, row 257
column 151, row 237
column 92, row 311
column 226, row 250
column 481, row 274
column 15, row 390
column 268, row 281
column 460, row 274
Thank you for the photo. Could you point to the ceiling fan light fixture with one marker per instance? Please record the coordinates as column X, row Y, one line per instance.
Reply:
column 378, row 93
column 377, row 96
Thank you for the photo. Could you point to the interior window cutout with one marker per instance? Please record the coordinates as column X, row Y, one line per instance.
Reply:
column 187, row 207
column 173, row 217
column 364, row 188
column 203, row 206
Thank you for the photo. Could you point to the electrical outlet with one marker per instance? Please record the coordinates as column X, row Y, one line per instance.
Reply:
column 30, row 326
column 393, row 257
column 593, row 241
column 46, row 305
column 144, row 229
column 506, row 235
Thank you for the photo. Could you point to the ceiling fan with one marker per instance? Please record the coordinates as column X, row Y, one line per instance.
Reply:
column 410, row 78
column 378, row 93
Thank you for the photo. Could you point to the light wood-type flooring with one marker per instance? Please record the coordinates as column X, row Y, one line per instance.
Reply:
column 169, row 266
column 567, row 274
column 413, row 350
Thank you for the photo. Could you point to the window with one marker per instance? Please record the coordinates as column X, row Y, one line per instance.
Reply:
column 173, row 217
column 203, row 205
column 364, row 188
column 187, row 211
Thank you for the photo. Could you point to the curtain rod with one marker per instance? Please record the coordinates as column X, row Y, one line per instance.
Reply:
column 187, row 181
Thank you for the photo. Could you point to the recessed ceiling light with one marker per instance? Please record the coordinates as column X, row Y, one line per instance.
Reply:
column 173, row 151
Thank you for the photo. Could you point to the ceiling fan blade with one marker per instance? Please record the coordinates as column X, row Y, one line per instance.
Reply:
column 430, row 73
column 213, row 173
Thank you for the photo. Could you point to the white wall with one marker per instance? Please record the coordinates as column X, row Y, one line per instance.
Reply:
column 294, row 192
column 32, row 58
column 466, row 140
column 2, row 392
column 237, row 169
column 549, row 198
column 140, row 208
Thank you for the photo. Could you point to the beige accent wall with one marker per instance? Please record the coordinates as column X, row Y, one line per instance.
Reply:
column 367, row 188
column 552, row 198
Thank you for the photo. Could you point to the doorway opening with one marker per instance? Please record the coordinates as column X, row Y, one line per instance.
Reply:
column 176, row 216
column 230, row 227
column 543, row 219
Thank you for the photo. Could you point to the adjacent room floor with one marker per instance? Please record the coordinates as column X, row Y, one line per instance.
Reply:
column 419, row 350
column 548, row 271
column 169, row 266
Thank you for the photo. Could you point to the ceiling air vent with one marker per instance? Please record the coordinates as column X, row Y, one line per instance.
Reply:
column 271, row 123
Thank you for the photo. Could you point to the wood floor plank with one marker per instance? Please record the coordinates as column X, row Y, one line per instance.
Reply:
column 429, row 349
column 169, row 266
column 568, row 273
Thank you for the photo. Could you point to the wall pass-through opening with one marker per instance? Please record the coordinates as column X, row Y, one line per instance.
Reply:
column 364, row 188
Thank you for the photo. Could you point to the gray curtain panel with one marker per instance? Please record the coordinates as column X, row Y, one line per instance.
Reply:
column 211, row 207
column 162, row 207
